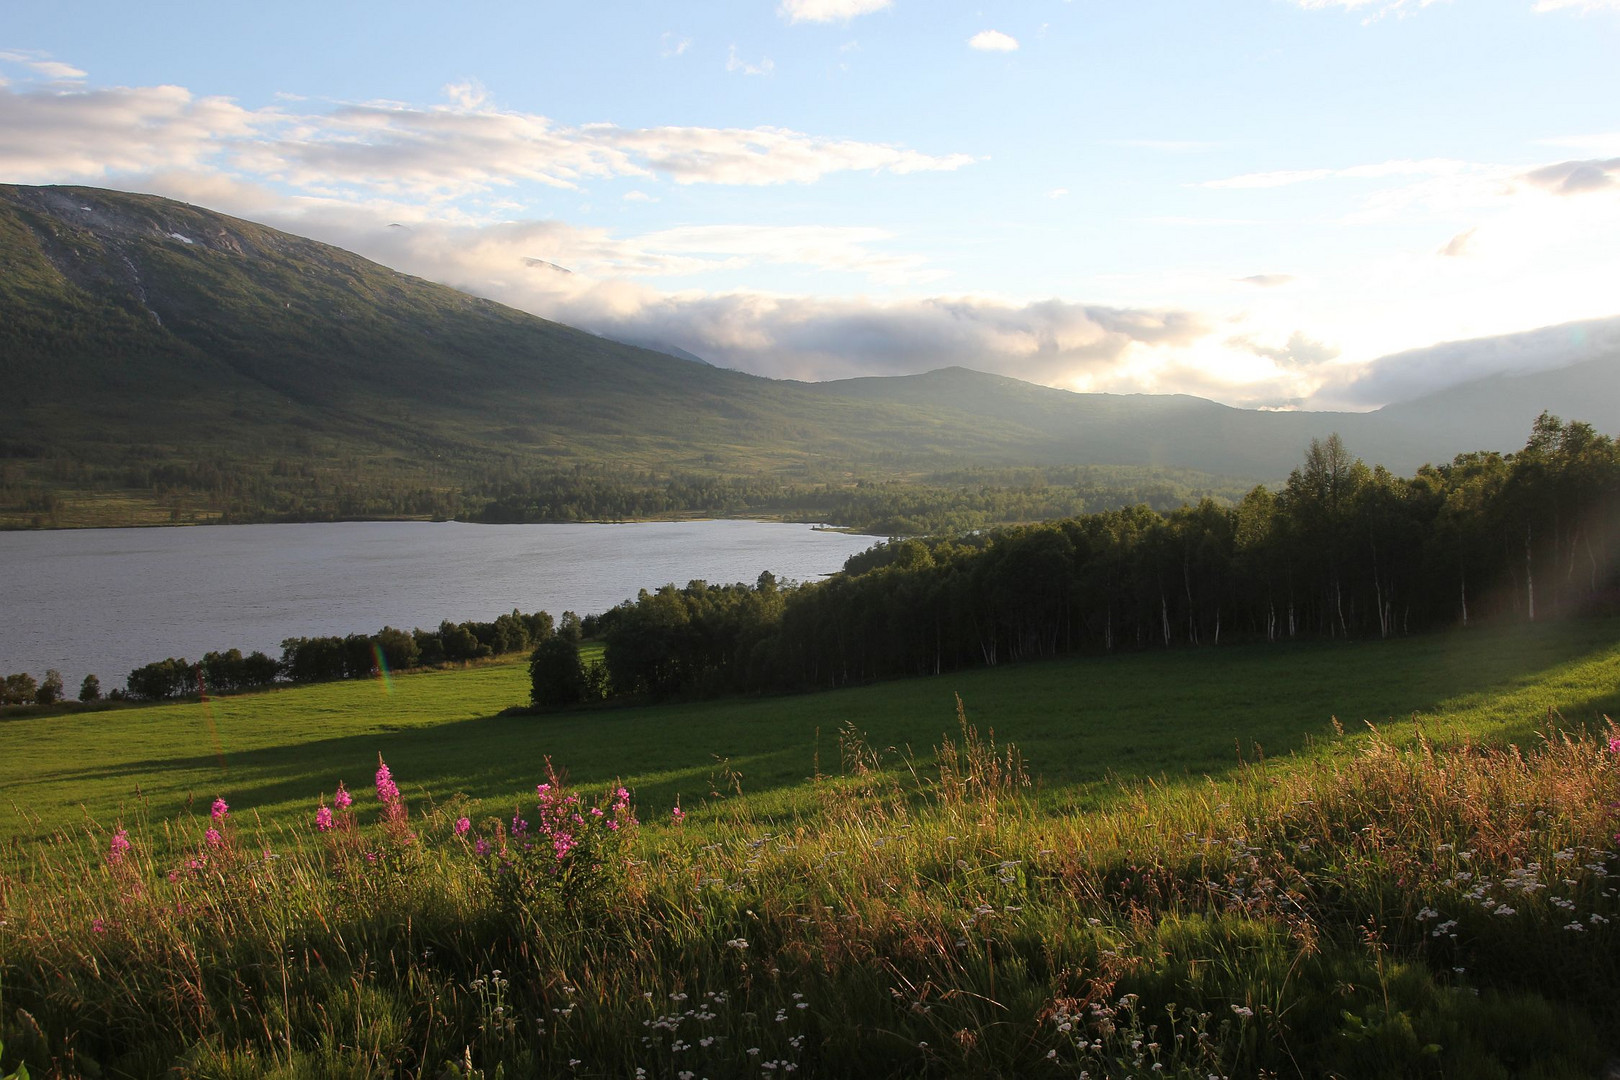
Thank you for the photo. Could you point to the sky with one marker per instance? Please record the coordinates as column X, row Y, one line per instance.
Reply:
column 1271, row 203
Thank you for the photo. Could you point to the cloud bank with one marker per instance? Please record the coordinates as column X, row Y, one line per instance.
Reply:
column 430, row 190
column 467, row 147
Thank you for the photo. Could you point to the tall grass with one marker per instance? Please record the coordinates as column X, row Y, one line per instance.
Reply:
column 1377, row 910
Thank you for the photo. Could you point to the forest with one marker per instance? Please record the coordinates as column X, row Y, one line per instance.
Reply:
column 352, row 656
column 1341, row 551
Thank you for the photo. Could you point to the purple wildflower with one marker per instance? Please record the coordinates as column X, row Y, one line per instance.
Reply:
column 323, row 818
column 462, row 825
column 343, row 800
column 213, row 837
column 118, row 847
column 387, row 790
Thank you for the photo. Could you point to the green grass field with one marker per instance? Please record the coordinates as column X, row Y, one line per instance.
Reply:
column 1082, row 724
column 1421, row 903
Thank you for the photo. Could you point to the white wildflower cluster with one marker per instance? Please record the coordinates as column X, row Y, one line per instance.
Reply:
column 1108, row 1039
column 688, row 1034
column 1527, row 882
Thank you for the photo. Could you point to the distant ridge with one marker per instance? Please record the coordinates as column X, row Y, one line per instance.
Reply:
column 142, row 338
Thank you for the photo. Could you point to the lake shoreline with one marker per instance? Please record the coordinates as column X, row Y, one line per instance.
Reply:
column 108, row 600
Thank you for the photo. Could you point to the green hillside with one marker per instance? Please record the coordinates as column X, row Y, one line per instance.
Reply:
column 162, row 363
column 155, row 350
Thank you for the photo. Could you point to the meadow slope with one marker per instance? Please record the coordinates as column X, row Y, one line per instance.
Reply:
column 1435, row 899
column 1081, row 723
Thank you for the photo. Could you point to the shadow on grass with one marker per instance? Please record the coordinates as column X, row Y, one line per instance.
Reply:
column 1083, row 725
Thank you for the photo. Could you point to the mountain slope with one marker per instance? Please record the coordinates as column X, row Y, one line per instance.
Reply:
column 150, row 345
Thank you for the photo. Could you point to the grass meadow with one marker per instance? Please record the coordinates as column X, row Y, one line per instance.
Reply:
column 1189, row 863
column 1082, row 724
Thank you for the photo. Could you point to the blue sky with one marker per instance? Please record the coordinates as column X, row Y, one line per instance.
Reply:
column 1252, row 200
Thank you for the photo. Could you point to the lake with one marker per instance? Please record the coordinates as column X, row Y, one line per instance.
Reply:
column 106, row 601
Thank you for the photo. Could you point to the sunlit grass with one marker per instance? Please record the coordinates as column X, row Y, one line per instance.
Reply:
column 1372, row 911
column 1172, row 716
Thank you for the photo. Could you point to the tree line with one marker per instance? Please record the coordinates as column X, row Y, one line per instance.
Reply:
column 1341, row 551
column 352, row 656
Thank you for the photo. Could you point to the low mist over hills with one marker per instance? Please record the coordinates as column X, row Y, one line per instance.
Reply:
column 156, row 350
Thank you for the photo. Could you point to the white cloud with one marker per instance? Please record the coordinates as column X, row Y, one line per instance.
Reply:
column 1299, row 351
column 41, row 64
column 672, row 45
column 50, row 137
column 1457, row 246
column 609, row 288
column 1268, row 281
column 736, row 63
column 829, row 10
column 391, row 150
column 1413, row 373
column 1058, row 193
column 993, row 41
column 469, row 95
column 1576, row 177
column 638, row 196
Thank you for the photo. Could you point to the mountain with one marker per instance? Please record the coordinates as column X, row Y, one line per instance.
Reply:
column 150, row 349
column 1176, row 430
column 136, row 327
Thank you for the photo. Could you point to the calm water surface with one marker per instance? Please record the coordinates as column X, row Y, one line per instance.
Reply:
column 109, row 600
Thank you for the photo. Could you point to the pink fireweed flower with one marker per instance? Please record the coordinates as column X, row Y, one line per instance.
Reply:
column 678, row 814
column 481, row 846
column 343, row 800
column 387, row 790
column 97, row 926
column 462, row 825
column 213, row 837
column 219, row 810
column 393, row 802
column 323, row 818
column 519, row 826
column 118, row 847
column 1614, row 744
